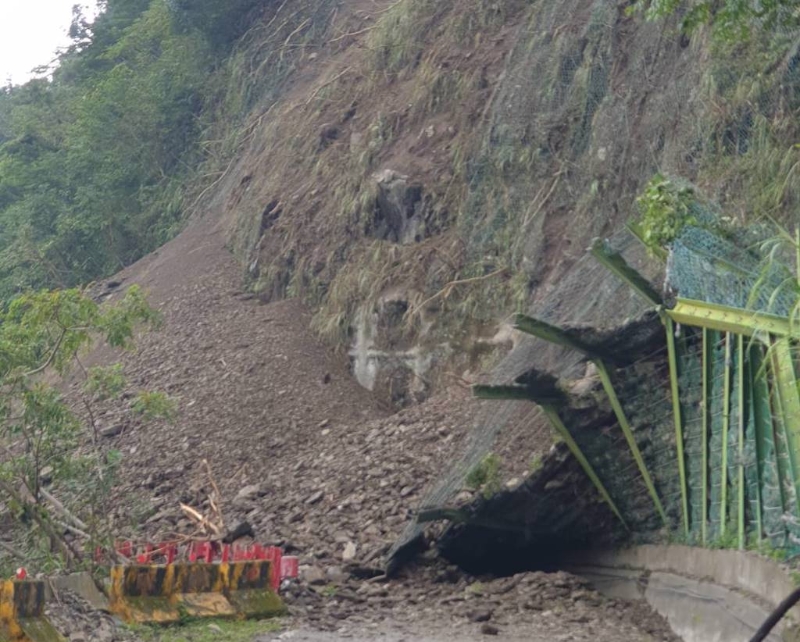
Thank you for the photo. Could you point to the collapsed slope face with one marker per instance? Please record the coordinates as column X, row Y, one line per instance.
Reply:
column 437, row 165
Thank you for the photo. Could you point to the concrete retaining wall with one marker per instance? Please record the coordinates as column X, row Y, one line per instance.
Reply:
column 706, row 595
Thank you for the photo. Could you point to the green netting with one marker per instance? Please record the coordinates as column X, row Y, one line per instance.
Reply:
column 607, row 451
column 772, row 504
column 706, row 267
column 690, row 385
column 643, row 389
column 567, row 137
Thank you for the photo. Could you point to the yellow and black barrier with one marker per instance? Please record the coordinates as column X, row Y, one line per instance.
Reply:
column 22, row 617
column 170, row 593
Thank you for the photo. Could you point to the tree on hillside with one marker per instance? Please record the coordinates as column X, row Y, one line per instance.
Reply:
column 220, row 22
column 731, row 19
column 42, row 439
column 90, row 161
column 94, row 160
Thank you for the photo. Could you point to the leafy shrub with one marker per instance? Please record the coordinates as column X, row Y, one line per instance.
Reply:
column 665, row 210
column 485, row 476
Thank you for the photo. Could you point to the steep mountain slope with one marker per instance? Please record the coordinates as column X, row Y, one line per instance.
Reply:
column 439, row 166
column 435, row 166
column 413, row 172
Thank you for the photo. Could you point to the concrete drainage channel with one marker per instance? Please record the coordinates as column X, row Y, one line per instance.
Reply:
column 705, row 595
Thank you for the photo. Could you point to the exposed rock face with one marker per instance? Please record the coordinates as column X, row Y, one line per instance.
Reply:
column 384, row 360
column 399, row 208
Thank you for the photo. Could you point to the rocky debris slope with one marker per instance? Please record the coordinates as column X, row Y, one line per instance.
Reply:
column 348, row 492
column 304, row 455
column 77, row 621
column 433, row 598
column 295, row 446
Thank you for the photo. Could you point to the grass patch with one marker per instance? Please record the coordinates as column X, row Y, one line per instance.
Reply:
column 397, row 40
column 208, row 631
column 486, row 476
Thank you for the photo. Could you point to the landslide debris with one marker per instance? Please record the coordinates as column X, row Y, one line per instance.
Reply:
column 309, row 459
column 78, row 621
column 533, row 606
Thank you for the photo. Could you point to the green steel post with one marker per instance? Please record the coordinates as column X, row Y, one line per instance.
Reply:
column 614, row 261
column 550, row 333
column 726, row 422
column 783, row 455
column 706, row 365
column 740, row 373
column 736, row 320
column 765, row 442
column 638, row 233
column 562, row 430
column 516, row 393
column 628, row 432
column 676, row 411
column 789, row 397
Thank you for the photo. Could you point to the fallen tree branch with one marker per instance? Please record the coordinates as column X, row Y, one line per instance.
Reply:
column 72, row 529
column 51, row 358
column 61, row 510
column 70, row 553
column 447, row 289
column 195, row 515
column 215, row 497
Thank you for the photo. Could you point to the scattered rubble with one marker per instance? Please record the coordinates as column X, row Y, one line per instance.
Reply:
column 76, row 620
column 307, row 458
column 440, row 597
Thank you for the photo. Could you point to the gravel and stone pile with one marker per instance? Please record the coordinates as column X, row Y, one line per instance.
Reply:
column 313, row 463
column 434, row 597
column 78, row 621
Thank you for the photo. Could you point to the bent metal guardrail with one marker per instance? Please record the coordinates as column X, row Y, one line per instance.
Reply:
column 735, row 405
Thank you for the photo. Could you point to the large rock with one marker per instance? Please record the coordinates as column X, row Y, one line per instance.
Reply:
column 399, row 208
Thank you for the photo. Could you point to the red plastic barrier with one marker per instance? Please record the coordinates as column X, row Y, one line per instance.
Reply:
column 290, row 567
column 208, row 552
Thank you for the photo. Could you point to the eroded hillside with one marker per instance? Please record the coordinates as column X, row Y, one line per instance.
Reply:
column 433, row 167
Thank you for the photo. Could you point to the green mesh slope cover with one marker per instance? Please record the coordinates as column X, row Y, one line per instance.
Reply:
column 705, row 266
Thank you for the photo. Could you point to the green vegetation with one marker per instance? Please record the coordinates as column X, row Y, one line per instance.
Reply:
column 535, row 464
column 476, row 588
column 53, row 476
column 765, row 549
column 732, row 20
column 95, row 161
column 665, row 211
column 485, row 476
column 208, row 631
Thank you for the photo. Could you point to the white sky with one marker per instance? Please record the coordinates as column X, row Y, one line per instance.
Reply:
column 30, row 33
